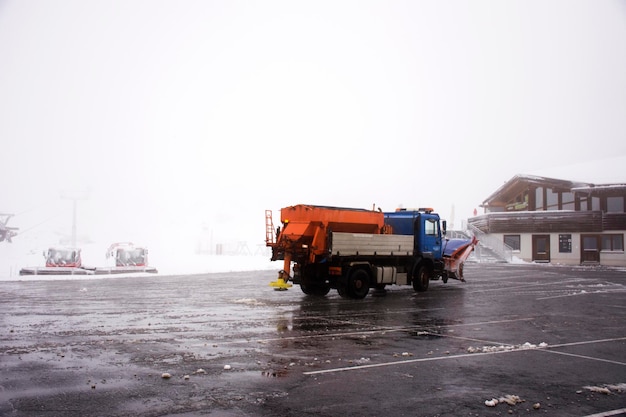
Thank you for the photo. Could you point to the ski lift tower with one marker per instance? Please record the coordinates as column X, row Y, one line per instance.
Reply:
column 74, row 195
column 6, row 232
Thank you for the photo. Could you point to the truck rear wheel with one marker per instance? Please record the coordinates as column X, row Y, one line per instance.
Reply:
column 319, row 290
column 312, row 281
column 358, row 284
column 421, row 279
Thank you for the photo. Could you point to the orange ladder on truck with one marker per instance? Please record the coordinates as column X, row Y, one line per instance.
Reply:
column 269, row 228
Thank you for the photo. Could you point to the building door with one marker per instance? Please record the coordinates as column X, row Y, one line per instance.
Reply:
column 541, row 248
column 590, row 249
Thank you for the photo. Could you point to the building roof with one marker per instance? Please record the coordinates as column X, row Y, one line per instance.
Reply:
column 598, row 188
column 521, row 182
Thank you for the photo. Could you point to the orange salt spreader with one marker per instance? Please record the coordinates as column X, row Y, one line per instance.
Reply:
column 303, row 237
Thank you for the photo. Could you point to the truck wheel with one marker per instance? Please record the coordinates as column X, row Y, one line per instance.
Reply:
column 421, row 279
column 318, row 290
column 358, row 284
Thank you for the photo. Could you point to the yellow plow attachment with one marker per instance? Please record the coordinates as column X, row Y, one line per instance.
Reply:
column 281, row 283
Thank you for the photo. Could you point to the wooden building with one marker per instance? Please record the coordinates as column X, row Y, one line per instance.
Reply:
column 541, row 219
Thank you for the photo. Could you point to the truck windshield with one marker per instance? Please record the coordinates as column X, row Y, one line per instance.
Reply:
column 60, row 257
column 130, row 256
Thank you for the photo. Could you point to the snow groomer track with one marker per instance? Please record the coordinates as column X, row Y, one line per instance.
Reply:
column 87, row 271
column 531, row 340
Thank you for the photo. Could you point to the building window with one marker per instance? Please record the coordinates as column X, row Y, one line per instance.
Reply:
column 590, row 243
column 615, row 204
column 519, row 203
column 613, row 243
column 595, row 203
column 539, row 199
column 567, row 201
column 552, row 200
column 512, row 241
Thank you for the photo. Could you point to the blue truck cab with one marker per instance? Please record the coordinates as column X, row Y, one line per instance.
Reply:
column 426, row 227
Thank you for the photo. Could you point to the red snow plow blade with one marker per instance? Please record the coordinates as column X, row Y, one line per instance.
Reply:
column 455, row 254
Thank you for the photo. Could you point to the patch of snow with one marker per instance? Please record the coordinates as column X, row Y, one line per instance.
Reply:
column 248, row 301
column 621, row 387
column 516, row 260
column 601, row 390
column 506, row 348
column 507, row 399
column 607, row 389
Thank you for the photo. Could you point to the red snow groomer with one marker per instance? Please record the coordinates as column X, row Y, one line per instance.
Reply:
column 126, row 257
column 63, row 257
column 59, row 261
column 127, row 254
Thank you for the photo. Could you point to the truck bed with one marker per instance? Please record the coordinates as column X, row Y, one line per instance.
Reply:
column 352, row 244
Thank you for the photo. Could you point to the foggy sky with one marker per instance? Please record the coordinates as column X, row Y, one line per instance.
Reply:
column 178, row 115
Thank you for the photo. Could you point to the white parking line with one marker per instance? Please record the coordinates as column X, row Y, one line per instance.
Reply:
column 465, row 355
column 608, row 413
column 586, row 357
column 378, row 365
column 588, row 342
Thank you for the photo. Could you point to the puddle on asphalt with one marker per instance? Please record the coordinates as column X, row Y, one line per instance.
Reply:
column 431, row 321
column 256, row 375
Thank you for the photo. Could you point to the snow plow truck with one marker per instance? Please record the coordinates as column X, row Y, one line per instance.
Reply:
column 353, row 250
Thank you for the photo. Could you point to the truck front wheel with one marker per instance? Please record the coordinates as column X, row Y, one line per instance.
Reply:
column 421, row 279
column 358, row 284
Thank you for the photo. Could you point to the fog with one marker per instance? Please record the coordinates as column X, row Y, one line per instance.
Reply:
column 179, row 123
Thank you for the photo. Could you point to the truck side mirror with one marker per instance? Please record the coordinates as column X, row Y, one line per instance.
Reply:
column 444, row 225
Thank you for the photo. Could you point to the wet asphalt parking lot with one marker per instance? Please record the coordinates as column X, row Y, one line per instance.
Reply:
column 543, row 340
